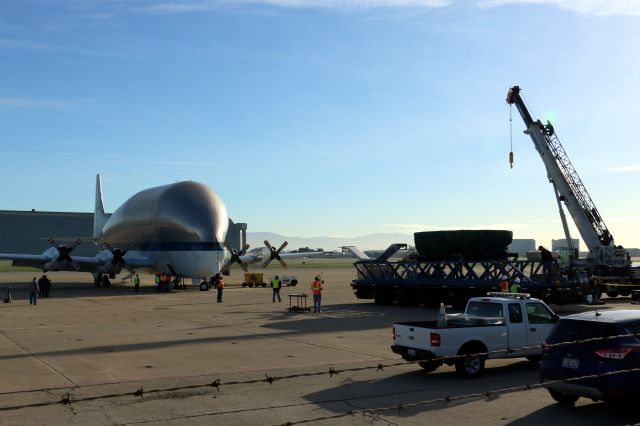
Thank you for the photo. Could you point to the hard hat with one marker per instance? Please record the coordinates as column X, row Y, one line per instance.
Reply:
column 504, row 277
column 517, row 280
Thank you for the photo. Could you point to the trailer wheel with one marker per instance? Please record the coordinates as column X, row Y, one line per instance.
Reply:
column 204, row 286
column 362, row 293
column 470, row 366
column 429, row 366
column 405, row 298
column 383, row 297
column 612, row 293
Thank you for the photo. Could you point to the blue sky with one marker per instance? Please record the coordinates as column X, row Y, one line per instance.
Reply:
column 334, row 117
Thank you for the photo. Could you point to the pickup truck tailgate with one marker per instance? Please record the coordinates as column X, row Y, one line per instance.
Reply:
column 414, row 336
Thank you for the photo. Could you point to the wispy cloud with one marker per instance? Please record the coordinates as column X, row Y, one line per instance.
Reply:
column 411, row 228
column 209, row 5
column 583, row 7
column 171, row 163
column 623, row 169
column 10, row 43
column 34, row 103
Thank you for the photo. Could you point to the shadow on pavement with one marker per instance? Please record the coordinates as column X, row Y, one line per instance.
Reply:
column 417, row 386
column 594, row 413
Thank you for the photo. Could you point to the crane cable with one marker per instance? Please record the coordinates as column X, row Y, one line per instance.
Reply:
column 511, row 135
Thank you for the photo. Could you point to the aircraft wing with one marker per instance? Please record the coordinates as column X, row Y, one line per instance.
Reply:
column 134, row 260
column 83, row 263
column 249, row 258
column 34, row 260
column 139, row 263
column 304, row 254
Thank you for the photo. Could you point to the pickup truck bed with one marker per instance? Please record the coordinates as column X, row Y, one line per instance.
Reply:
column 514, row 327
column 456, row 321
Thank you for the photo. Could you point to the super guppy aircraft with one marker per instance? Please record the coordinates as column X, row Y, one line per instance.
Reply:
column 179, row 229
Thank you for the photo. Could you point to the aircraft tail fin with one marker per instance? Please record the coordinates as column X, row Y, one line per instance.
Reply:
column 99, row 217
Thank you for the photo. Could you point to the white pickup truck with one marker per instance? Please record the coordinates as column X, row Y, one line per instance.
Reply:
column 500, row 321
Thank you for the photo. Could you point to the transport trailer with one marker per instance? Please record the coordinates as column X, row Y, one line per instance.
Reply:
column 416, row 282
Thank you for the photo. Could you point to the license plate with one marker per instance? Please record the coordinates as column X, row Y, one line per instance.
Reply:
column 411, row 352
column 570, row 362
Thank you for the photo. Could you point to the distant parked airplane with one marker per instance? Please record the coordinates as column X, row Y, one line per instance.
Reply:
column 179, row 229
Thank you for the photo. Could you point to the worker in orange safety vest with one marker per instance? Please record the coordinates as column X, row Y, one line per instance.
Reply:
column 316, row 289
column 504, row 284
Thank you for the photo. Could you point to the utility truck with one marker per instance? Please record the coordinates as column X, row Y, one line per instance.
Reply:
column 504, row 325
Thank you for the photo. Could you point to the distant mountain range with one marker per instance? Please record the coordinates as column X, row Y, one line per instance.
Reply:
column 367, row 242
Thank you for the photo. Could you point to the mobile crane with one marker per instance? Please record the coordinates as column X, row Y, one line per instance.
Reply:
column 609, row 265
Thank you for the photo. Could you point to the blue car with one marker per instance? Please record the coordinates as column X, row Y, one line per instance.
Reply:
column 591, row 358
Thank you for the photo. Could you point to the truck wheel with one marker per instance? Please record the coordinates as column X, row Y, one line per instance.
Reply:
column 470, row 366
column 362, row 293
column 429, row 366
column 612, row 293
column 204, row 286
column 563, row 398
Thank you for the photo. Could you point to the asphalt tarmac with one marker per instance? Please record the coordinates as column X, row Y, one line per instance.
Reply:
column 111, row 356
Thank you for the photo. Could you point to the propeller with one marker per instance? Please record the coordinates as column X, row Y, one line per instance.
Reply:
column 235, row 257
column 117, row 259
column 274, row 254
column 117, row 254
column 64, row 253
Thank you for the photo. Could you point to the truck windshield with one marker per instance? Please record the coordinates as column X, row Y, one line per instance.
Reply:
column 485, row 309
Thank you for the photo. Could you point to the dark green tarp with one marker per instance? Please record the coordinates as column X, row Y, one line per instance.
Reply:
column 465, row 244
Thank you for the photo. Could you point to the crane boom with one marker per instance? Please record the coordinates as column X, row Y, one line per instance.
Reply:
column 569, row 186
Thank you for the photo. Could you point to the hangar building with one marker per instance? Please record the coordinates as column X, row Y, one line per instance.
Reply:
column 29, row 231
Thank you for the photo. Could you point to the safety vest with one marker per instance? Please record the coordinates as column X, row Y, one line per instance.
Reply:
column 136, row 280
column 157, row 279
column 316, row 287
column 515, row 288
column 275, row 283
column 220, row 283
